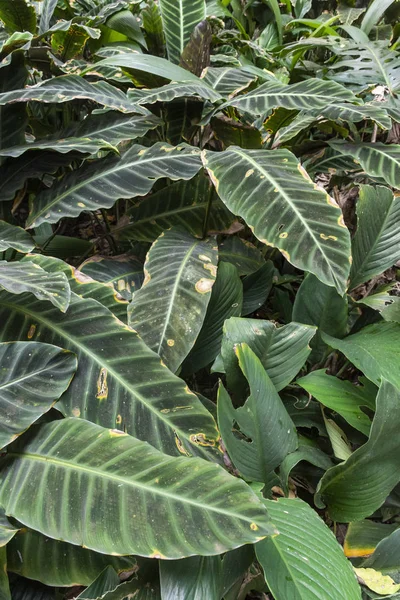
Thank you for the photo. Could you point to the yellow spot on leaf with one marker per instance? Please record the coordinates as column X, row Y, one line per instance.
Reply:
column 213, row 178
column 147, row 277
column 377, row 582
column 211, row 268
column 204, row 285
column 253, row 526
column 118, row 420
column 204, row 257
column 81, row 204
column 171, row 342
column 116, row 432
column 328, row 237
column 121, row 285
column 31, row 331
column 157, row 554
column 179, row 445
column 249, row 172
column 283, row 235
column 201, row 440
column 341, row 222
column 76, row 412
column 102, row 386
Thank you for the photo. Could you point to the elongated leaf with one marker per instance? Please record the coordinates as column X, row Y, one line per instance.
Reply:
column 18, row 15
column 256, row 455
column 15, row 237
column 114, row 127
column 342, row 397
column 225, row 302
column 18, row 278
column 140, row 481
column 276, row 197
column 378, row 160
column 228, row 81
column 375, row 350
column 309, row 94
column 4, row 584
column 179, row 20
column 257, row 286
column 120, row 383
column 241, row 253
column 197, row 578
column 147, row 64
column 356, row 488
column 376, row 244
column 138, row 590
column 125, row 22
column 46, row 13
column 354, row 113
column 84, row 145
column 153, row 27
column 387, row 304
column 124, row 272
column 66, row 565
column 170, row 92
column 374, row 14
column 301, row 566
column 195, row 56
column 362, row 537
column 101, row 183
column 72, row 87
column 180, row 272
column 107, row 581
column 386, row 555
column 307, row 451
column 33, row 377
column 13, row 119
column 282, row 350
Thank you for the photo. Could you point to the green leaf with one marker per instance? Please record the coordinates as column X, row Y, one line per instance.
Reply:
column 375, row 350
column 179, row 20
column 386, row 304
column 354, row 113
column 18, row 15
column 197, row 578
column 374, row 13
column 195, row 56
column 72, row 87
column 18, row 278
column 281, row 350
column 101, row 183
column 225, row 302
column 125, row 22
column 4, row 584
column 242, row 254
column 342, row 397
column 66, row 565
column 362, row 537
column 357, row 487
column 235, row 564
column 320, row 305
column 70, row 43
column 15, row 237
column 129, row 589
column 228, row 81
column 300, row 565
column 7, row 529
column 107, row 581
column 255, row 454
column 339, row 441
column 32, row 378
column 376, row 244
column 386, row 555
column 124, row 272
column 14, row 75
column 171, row 91
column 114, row 127
column 120, row 383
column 257, row 286
column 306, row 95
column 276, row 197
column 307, row 451
column 152, row 25
column 47, row 10
column 84, row 145
column 377, row 160
column 169, row 309
column 211, row 513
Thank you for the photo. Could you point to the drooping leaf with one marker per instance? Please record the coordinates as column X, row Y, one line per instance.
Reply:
column 46, row 13
column 120, row 383
column 171, row 91
column 114, row 127
column 277, row 198
column 15, row 237
column 228, row 81
column 195, row 56
column 197, row 577
column 302, row 566
column 307, row 451
column 69, row 43
column 385, row 557
column 125, row 22
column 32, row 378
column 357, row 487
column 257, row 286
column 170, row 307
column 179, row 20
column 19, row 278
column 124, row 272
column 107, row 581
column 18, row 15
column 376, row 244
column 84, row 145
column 101, row 183
column 139, row 480
column 242, row 254
column 354, row 113
column 255, row 454
column 374, row 14
column 362, row 537
column 385, row 303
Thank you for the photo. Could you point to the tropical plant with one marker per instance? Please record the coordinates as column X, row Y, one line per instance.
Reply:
column 199, row 299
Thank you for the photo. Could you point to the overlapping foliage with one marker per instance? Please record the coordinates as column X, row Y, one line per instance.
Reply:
column 199, row 299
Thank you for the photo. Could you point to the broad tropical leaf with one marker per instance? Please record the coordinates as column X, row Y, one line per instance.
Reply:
column 241, row 253
column 356, row 488
column 15, row 237
column 377, row 160
column 195, row 56
column 19, row 278
column 101, row 183
column 84, row 145
column 170, row 92
column 120, row 381
column 179, row 20
column 307, row 451
column 14, row 119
column 228, row 81
column 255, row 454
column 196, row 577
column 124, row 272
column 257, row 286
column 386, row 303
column 179, row 273
column 66, row 564
column 376, row 244
column 362, row 537
column 7, row 529
column 32, row 378
column 106, row 582
column 46, row 13
column 18, row 15
column 278, row 200
column 113, row 127
column 139, row 480
column 301, row 566
column 354, row 113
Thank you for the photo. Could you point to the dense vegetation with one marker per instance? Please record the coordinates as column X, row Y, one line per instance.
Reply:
column 199, row 299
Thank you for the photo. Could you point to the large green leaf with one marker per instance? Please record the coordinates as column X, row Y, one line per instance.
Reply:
column 179, row 20
column 169, row 309
column 375, row 350
column 257, row 286
column 19, row 278
column 376, row 244
column 196, row 54
column 241, row 253
column 354, row 113
column 66, row 564
column 357, row 487
column 343, row 397
column 114, row 127
column 254, row 453
column 46, row 13
column 32, row 377
column 169, row 92
column 168, row 507
column 308, row 451
column 124, row 272
column 72, row 87
column 107, row 581
column 362, row 537
column 278, row 200
column 84, row 145
column 195, row 578
column 304, row 562
column 374, row 14
column 228, row 81
column 120, row 382
column 225, row 302
column 282, row 350
column 18, row 15
column 378, row 160
column 15, row 237
column 385, row 302
column 101, row 183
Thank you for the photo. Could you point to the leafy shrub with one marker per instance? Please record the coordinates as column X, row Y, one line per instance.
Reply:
column 200, row 314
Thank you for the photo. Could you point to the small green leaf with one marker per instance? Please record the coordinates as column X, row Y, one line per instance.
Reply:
column 15, row 237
